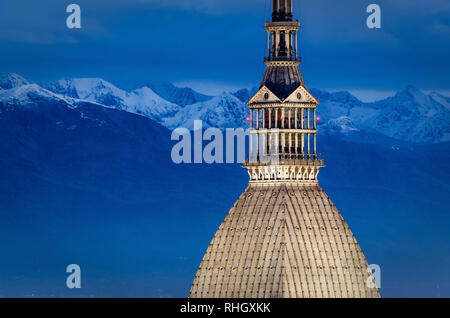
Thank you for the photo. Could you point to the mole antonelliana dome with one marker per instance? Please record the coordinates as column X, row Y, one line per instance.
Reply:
column 283, row 237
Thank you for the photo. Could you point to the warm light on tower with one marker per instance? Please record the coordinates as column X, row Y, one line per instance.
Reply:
column 283, row 237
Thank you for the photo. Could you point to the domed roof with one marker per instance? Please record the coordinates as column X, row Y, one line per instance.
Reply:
column 282, row 80
column 283, row 241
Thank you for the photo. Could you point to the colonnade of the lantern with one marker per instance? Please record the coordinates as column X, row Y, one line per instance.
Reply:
column 286, row 132
column 282, row 33
column 282, row 41
column 282, row 44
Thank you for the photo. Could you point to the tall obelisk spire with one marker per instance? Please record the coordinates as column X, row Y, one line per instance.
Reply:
column 282, row 10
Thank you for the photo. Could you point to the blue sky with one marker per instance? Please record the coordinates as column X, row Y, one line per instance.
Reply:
column 216, row 45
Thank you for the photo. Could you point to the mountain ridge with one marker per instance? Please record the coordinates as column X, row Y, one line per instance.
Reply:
column 142, row 101
column 410, row 115
column 182, row 96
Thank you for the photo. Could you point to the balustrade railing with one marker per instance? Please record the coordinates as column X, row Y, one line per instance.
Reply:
column 283, row 158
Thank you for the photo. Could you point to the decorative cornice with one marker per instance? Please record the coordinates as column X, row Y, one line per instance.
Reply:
column 283, row 25
column 281, row 105
column 285, row 173
column 283, row 131
column 283, row 63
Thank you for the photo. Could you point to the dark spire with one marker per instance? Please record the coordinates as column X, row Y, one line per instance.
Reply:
column 282, row 10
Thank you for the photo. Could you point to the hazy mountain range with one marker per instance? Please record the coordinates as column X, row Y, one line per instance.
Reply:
column 410, row 115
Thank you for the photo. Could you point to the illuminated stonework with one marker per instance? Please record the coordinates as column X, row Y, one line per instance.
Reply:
column 283, row 237
column 283, row 240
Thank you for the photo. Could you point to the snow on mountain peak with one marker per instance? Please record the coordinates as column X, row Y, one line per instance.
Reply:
column 441, row 99
column 145, row 101
column 223, row 111
column 245, row 94
column 12, row 80
column 90, row 89
column 411, row 95
column 142, row 101
column 410, row 115
column 342, row 125
column 29, row 95
column 181, row 96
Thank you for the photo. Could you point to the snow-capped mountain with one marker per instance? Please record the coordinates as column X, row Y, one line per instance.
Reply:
column 410, row 115
column 413, row 116
column 181, row 96
column 141, row 101
column 443, row 100
column 12, row 80
column 28, row 96
column 341, row 125
column 245, row 94
column 223, row 111
column 92, row 89
column 335, row 105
